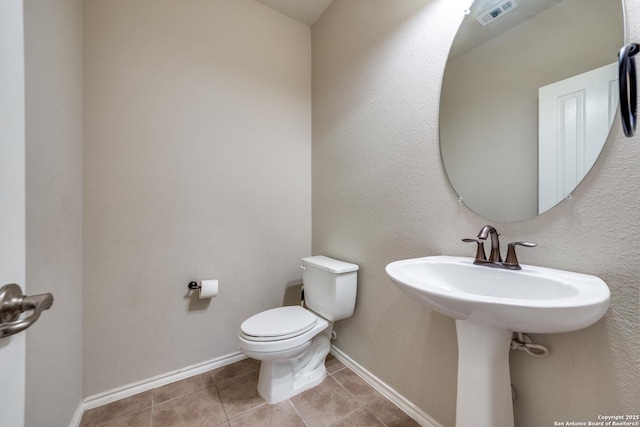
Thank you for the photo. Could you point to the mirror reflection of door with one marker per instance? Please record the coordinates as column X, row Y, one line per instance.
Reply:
column 575, row 116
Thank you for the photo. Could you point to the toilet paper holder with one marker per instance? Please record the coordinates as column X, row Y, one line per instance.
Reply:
column 205, row 288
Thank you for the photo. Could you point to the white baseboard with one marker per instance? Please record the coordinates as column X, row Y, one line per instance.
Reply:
column 77, row 416
column 151, row 383
column 412, row 410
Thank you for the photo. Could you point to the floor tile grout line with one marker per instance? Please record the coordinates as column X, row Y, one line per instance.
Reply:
column 153, row 396
column 363, row 403
column 377, row 392
column 378, row 418
column 215, row 385
column 348, row 391
column 337, row 370
column 298, row 412
column 361, row 406
column 347, row 415
column 246, row 411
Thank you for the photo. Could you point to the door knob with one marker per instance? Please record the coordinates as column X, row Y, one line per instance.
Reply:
column 13, row 303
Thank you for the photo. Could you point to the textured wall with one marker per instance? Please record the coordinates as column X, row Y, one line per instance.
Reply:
column 380, row 194
column 197, row 165
column 53, row 66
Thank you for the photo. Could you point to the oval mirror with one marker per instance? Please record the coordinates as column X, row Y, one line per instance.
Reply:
column 528, row 98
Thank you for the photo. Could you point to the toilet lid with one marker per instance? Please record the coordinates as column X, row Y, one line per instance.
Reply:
column 278, row 323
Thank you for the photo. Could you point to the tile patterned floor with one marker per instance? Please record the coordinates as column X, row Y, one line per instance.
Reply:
column 227, row 397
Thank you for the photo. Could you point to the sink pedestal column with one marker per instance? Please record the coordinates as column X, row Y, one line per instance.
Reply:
column 484, row 382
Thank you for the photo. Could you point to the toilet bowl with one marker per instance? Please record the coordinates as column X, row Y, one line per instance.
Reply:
column 292, row 354
column 292, row 342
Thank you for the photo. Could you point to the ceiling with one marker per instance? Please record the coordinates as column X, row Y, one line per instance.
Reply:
column 305, row 11
column 471, row 34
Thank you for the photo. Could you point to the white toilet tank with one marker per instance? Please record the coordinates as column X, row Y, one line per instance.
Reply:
column 330, row 286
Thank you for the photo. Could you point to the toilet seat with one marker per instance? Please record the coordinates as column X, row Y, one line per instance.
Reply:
column 278, row 324
column 273, row 331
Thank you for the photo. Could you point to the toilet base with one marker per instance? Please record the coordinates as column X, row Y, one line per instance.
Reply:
column 281, row 379
column 282, row 387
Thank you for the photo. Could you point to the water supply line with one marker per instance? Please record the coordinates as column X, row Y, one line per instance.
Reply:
column 523, row 342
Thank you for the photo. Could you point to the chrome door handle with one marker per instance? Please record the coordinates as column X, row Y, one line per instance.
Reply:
column 13, row 303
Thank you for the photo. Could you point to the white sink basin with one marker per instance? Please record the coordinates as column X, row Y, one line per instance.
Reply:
column 534, row 299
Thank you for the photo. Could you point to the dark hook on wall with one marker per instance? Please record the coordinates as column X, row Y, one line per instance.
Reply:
column 627, row 84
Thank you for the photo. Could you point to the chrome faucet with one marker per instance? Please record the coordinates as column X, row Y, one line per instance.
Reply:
column 495, row 259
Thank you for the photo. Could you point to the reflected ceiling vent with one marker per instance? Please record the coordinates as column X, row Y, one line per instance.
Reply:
column 496, row 12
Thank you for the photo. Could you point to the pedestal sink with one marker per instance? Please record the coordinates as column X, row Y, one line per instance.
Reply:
column 490, row 304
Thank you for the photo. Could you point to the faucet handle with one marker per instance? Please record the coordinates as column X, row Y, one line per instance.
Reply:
column 480, row 256
column 512, row 259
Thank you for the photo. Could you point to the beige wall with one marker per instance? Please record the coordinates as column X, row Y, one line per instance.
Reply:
column 380, row 194
column 197, row 165
column 53, row 66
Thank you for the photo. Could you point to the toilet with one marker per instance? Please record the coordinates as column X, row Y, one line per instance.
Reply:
column 292, row 342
